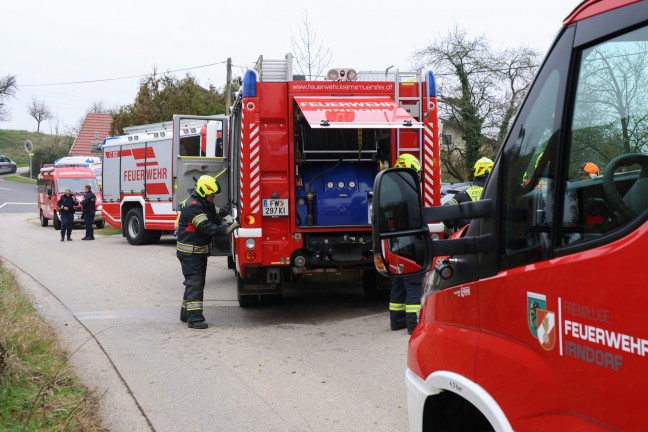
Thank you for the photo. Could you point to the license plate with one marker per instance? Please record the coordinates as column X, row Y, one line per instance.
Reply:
column 275, row 207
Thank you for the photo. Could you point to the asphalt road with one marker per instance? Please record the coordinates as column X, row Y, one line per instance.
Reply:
column 17, row 197
column 323, row 360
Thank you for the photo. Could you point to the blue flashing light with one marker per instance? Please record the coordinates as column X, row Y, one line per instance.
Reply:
column 249, row 84
column 431, row 84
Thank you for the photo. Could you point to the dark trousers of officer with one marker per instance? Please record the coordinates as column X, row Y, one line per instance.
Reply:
column 194, row 270
column 67, row 219
column 405, row 302
column 88, row 219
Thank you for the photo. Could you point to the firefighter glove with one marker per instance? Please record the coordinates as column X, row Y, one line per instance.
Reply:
column 228, row 220
column 232, row 227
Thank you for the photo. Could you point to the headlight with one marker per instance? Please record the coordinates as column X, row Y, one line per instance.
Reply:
column 99, row 208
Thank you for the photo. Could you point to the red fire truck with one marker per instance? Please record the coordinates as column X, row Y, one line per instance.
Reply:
column 52, row 181
column 533, row 316
column 303, row 158
column 149, row 171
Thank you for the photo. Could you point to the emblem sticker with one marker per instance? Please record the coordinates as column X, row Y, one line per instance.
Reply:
column 542, row 322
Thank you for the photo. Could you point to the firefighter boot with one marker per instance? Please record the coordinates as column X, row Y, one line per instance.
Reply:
column 397, row 320
column 197, row 325
column 183, row 311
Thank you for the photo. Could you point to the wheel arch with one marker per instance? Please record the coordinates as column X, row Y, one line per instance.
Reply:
column 466, row 391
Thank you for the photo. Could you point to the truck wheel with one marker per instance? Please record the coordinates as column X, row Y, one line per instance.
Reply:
column 375, row 285
column 57, row 222
column 134, row 227
column 243, row 299
column 100, row 224
column 43, row 220
column 153, row 236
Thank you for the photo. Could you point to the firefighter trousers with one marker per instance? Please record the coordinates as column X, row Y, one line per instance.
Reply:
column 405, row 302
column 194, row 270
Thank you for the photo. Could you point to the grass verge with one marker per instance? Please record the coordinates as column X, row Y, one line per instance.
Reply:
column 20, row 179
column 38, row 389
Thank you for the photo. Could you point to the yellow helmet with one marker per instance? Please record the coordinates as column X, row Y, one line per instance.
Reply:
column 407, row 160
column 483, row 166
column 206, row 185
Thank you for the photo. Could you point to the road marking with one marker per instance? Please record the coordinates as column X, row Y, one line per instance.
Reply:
column 5, row 189
column 15, row 203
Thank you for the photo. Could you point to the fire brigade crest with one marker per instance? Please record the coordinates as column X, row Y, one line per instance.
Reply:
column 542, row 323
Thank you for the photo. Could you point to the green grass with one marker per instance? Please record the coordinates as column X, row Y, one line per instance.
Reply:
column 12, row 143
column 20, row 179
column 108, row 231
column 38, row 389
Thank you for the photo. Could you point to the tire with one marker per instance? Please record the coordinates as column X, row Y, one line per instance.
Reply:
column 245, row 301
column 100, row 224
column 43, row 220
column 375, row 285
column 153, row 236
column 57, row 222
column 134, row 227
column 13, row 170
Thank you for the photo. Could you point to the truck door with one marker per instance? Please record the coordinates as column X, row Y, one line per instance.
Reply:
column 561, row 303
column 200, row 148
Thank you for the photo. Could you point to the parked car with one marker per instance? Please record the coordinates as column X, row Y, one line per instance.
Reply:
column 448, row 190
column 7, row 165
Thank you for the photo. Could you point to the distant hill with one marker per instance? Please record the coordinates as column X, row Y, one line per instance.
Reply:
column 12, row 143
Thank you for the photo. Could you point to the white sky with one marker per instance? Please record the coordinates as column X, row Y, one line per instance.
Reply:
column 63, row 41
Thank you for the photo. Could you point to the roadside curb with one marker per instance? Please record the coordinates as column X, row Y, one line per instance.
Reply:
column 118, row 407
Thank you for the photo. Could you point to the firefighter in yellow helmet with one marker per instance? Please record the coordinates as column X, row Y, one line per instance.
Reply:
column 198, row 223
column 482, row 169
column 405, row 295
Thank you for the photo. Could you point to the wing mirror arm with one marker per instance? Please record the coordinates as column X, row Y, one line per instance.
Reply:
column 466, row 210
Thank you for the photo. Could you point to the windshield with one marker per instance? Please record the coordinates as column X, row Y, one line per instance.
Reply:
column 76, row 185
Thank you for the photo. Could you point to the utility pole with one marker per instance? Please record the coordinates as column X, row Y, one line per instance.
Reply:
column 228, row 86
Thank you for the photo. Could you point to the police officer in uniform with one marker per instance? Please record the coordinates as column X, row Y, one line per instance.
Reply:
column 482, row 169
column 66, row 205
column 405, row 294
column 88, row 203
column 198, row 222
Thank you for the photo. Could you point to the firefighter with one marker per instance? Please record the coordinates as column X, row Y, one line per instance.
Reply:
column 198, row 222
column 405, row 295
column 588, row 170
column 88, row 203
column 482, row 169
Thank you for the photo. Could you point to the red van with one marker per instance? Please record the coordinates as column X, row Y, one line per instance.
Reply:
column 52, row 182
column 534, row 318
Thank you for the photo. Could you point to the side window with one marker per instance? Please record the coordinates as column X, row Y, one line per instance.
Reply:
column 607, row 175
column 528, row 165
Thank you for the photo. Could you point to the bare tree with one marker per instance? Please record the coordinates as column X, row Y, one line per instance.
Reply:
column 7, row 90
column 311, row 56
column 98, row 106
column 40, row 112
column 480, row 91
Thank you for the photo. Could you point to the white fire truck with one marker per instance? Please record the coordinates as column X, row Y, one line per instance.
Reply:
column 148, row 172
column 304, row 155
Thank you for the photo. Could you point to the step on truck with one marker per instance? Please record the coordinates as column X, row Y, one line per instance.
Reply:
column 534, row 317
column 303, row 158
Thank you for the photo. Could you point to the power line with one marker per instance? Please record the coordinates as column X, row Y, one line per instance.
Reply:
column 116, row 79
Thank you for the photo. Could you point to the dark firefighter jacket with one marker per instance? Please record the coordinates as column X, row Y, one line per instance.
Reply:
column 69, row 202
column 199, row 222
column 473, row 193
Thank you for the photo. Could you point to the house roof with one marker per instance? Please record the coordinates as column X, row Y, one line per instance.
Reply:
column 94, row 123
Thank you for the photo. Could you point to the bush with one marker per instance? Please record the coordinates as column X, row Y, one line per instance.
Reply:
column 47, row 155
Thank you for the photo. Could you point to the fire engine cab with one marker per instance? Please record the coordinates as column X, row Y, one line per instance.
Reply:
column 533, row 317
column 303, row 158
column 66, row 173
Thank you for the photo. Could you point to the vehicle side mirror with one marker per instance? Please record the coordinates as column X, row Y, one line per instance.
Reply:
column 49, row 192
column 402, row 242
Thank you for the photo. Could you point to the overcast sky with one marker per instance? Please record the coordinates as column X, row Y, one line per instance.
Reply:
column 65, row 41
